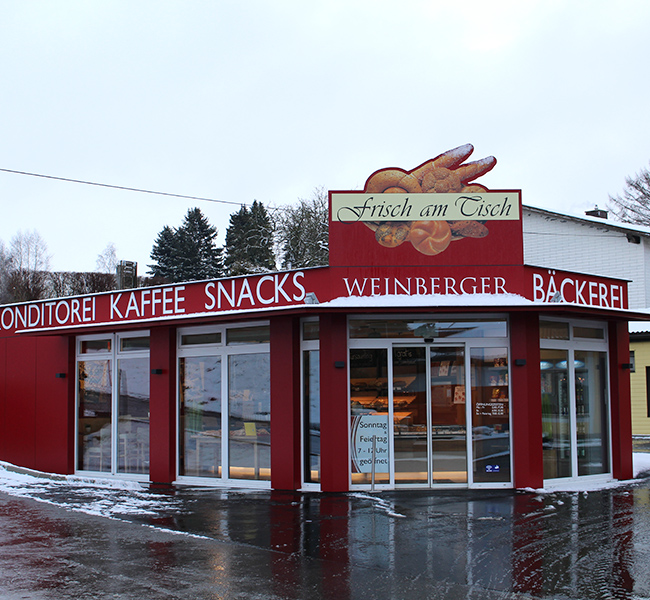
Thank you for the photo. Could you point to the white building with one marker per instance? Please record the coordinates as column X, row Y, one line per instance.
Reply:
column 596, row 245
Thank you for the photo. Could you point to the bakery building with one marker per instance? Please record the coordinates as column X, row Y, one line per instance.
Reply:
column 426, row 355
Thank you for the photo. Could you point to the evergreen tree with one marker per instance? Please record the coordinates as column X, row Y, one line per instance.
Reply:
column 164, row 255
column 249, row 241
column 188, row 253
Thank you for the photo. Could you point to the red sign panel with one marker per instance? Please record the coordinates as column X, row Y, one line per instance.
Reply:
column 432, row 215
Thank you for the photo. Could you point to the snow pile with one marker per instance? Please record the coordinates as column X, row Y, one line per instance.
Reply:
column 90, row 495
column 641, row 469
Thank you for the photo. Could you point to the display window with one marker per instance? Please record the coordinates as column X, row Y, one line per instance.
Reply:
column 575, row 400
column 310, row 385
column 113, row 404
column 224, row 419
column 412, row 397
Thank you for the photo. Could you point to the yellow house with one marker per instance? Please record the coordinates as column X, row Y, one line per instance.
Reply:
column 639, row 377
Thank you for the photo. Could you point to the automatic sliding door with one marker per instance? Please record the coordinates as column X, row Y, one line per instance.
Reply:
column 448, row 430
column 410, row 423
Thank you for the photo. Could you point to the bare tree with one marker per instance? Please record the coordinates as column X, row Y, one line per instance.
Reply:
column 633, row 205
column 29, row 264
column 5, row 269
column 107, row 260
column 302, row 231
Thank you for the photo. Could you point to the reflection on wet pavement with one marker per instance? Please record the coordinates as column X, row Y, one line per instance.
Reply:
column 201, row 543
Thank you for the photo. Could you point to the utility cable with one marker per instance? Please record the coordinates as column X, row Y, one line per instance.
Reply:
column 120, row 187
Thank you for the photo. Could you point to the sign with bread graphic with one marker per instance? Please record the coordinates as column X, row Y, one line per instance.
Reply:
column 430, row 207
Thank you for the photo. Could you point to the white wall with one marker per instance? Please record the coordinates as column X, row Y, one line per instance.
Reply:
column 554, row 241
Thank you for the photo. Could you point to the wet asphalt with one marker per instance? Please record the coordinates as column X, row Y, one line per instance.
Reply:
column 219, row 544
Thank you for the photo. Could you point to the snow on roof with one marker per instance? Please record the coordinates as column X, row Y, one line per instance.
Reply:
column 639, row 327
column 406, row 301
column 632, row 227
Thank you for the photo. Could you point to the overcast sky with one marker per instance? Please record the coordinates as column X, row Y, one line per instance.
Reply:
column 267, row 100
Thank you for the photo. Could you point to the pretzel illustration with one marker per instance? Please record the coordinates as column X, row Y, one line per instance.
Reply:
column 444, row 174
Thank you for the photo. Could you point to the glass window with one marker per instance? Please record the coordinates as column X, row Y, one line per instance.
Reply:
column 556, row 423
column 551, row 330
column 592, row 423
column 592, row 333
column 248, row 335
column 133, row 344
column 434, row 329
column 200, row 416
column 368, row 406
column 490, row 415
column 94, row 415
column 310, row 330
column 113, row 404
column 311, row 415
column 196, row 339
column 249, row 414
column 91, row 346
column 133, row 414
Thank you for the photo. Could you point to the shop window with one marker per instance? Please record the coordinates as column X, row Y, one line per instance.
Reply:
column 590, row 333
column 490, row 415
column 551, row 330
column 200, row 339
column 368, row 410
column 95, row 345
column 575, row 400
column 113, row 405
column 310, row 330
column 427, row 329
column 249, row 414
column 248, row 335
column 311, row 415
column 224, row 403
column 200, row 416
column 592, row 424
column 134, row 344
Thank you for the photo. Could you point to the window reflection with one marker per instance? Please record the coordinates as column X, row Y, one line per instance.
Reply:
column 200, row 416
column 133, row 415
column 311, row 415
column 490, row 415
column 556, row 425
column 95, row 388
column 368, row 396
column 249, row 413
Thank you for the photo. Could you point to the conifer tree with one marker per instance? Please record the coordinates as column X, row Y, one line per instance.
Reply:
column 249, row 241
column 188, row 253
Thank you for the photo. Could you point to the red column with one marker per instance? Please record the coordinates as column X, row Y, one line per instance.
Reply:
column 162, row 406
column 621, row 413
column 285, row 403
column 334, row 410
column 526, row 401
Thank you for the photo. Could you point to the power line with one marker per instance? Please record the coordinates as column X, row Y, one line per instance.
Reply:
column 120, row 187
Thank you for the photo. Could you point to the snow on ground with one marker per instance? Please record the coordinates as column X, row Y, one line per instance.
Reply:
column 113, row 498
column 95, row 496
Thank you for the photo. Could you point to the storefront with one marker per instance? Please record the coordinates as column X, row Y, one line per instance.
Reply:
column 426, row 355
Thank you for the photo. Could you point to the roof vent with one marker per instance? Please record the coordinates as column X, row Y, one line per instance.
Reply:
column 597, row 212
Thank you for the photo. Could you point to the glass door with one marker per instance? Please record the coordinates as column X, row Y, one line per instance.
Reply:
column 410, row 415
column 429, row 415
column 448, row 415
